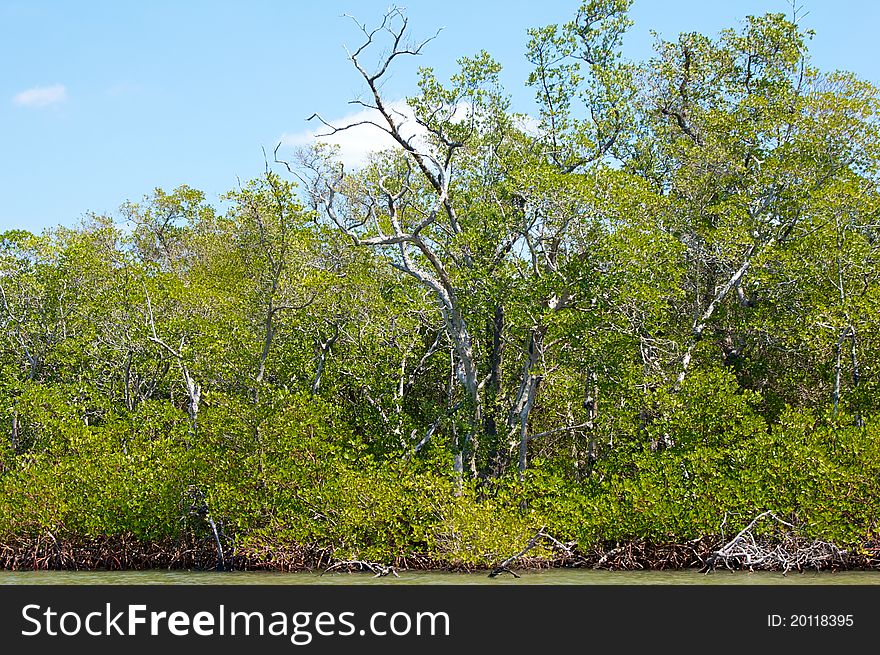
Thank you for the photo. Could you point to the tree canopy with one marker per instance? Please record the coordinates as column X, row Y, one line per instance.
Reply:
column 653, row 304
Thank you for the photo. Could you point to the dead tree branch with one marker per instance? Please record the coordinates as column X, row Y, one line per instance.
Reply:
column 352, row 566
column 504, row 567
column 788, row 552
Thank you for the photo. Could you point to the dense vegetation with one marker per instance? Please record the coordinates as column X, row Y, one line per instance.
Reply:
column 649, row 314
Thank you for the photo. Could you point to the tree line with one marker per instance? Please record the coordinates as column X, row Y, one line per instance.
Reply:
column 652, row 305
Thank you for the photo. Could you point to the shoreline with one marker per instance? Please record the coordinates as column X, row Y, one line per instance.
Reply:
column 45, row 553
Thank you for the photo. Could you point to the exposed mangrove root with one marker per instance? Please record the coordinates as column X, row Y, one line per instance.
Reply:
column 47, row 552
column 350, row 566
column 504, row 567
column 788, row 552
column 611, row 553
column 195, row 550
column 640, row 555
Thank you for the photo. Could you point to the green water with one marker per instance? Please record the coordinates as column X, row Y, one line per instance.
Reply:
column 552, row 577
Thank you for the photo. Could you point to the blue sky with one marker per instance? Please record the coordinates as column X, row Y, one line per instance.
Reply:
column 100, row 102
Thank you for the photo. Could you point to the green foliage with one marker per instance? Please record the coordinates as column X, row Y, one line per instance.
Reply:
column 652, row 312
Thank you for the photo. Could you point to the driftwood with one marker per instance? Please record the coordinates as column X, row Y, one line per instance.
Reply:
column 504, row 567
column 380, row 570
column 790, row 552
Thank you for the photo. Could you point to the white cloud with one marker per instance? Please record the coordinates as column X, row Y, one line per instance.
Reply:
column 528, row 124
column 41, row 96
column 357, row 143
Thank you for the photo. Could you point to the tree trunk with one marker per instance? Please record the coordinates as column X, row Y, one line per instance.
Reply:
column 591, row 404
column 856, row 373
column 322, row 358
column 528, row 391
column 495, row 464
column 702, row 321
column 194, row 396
